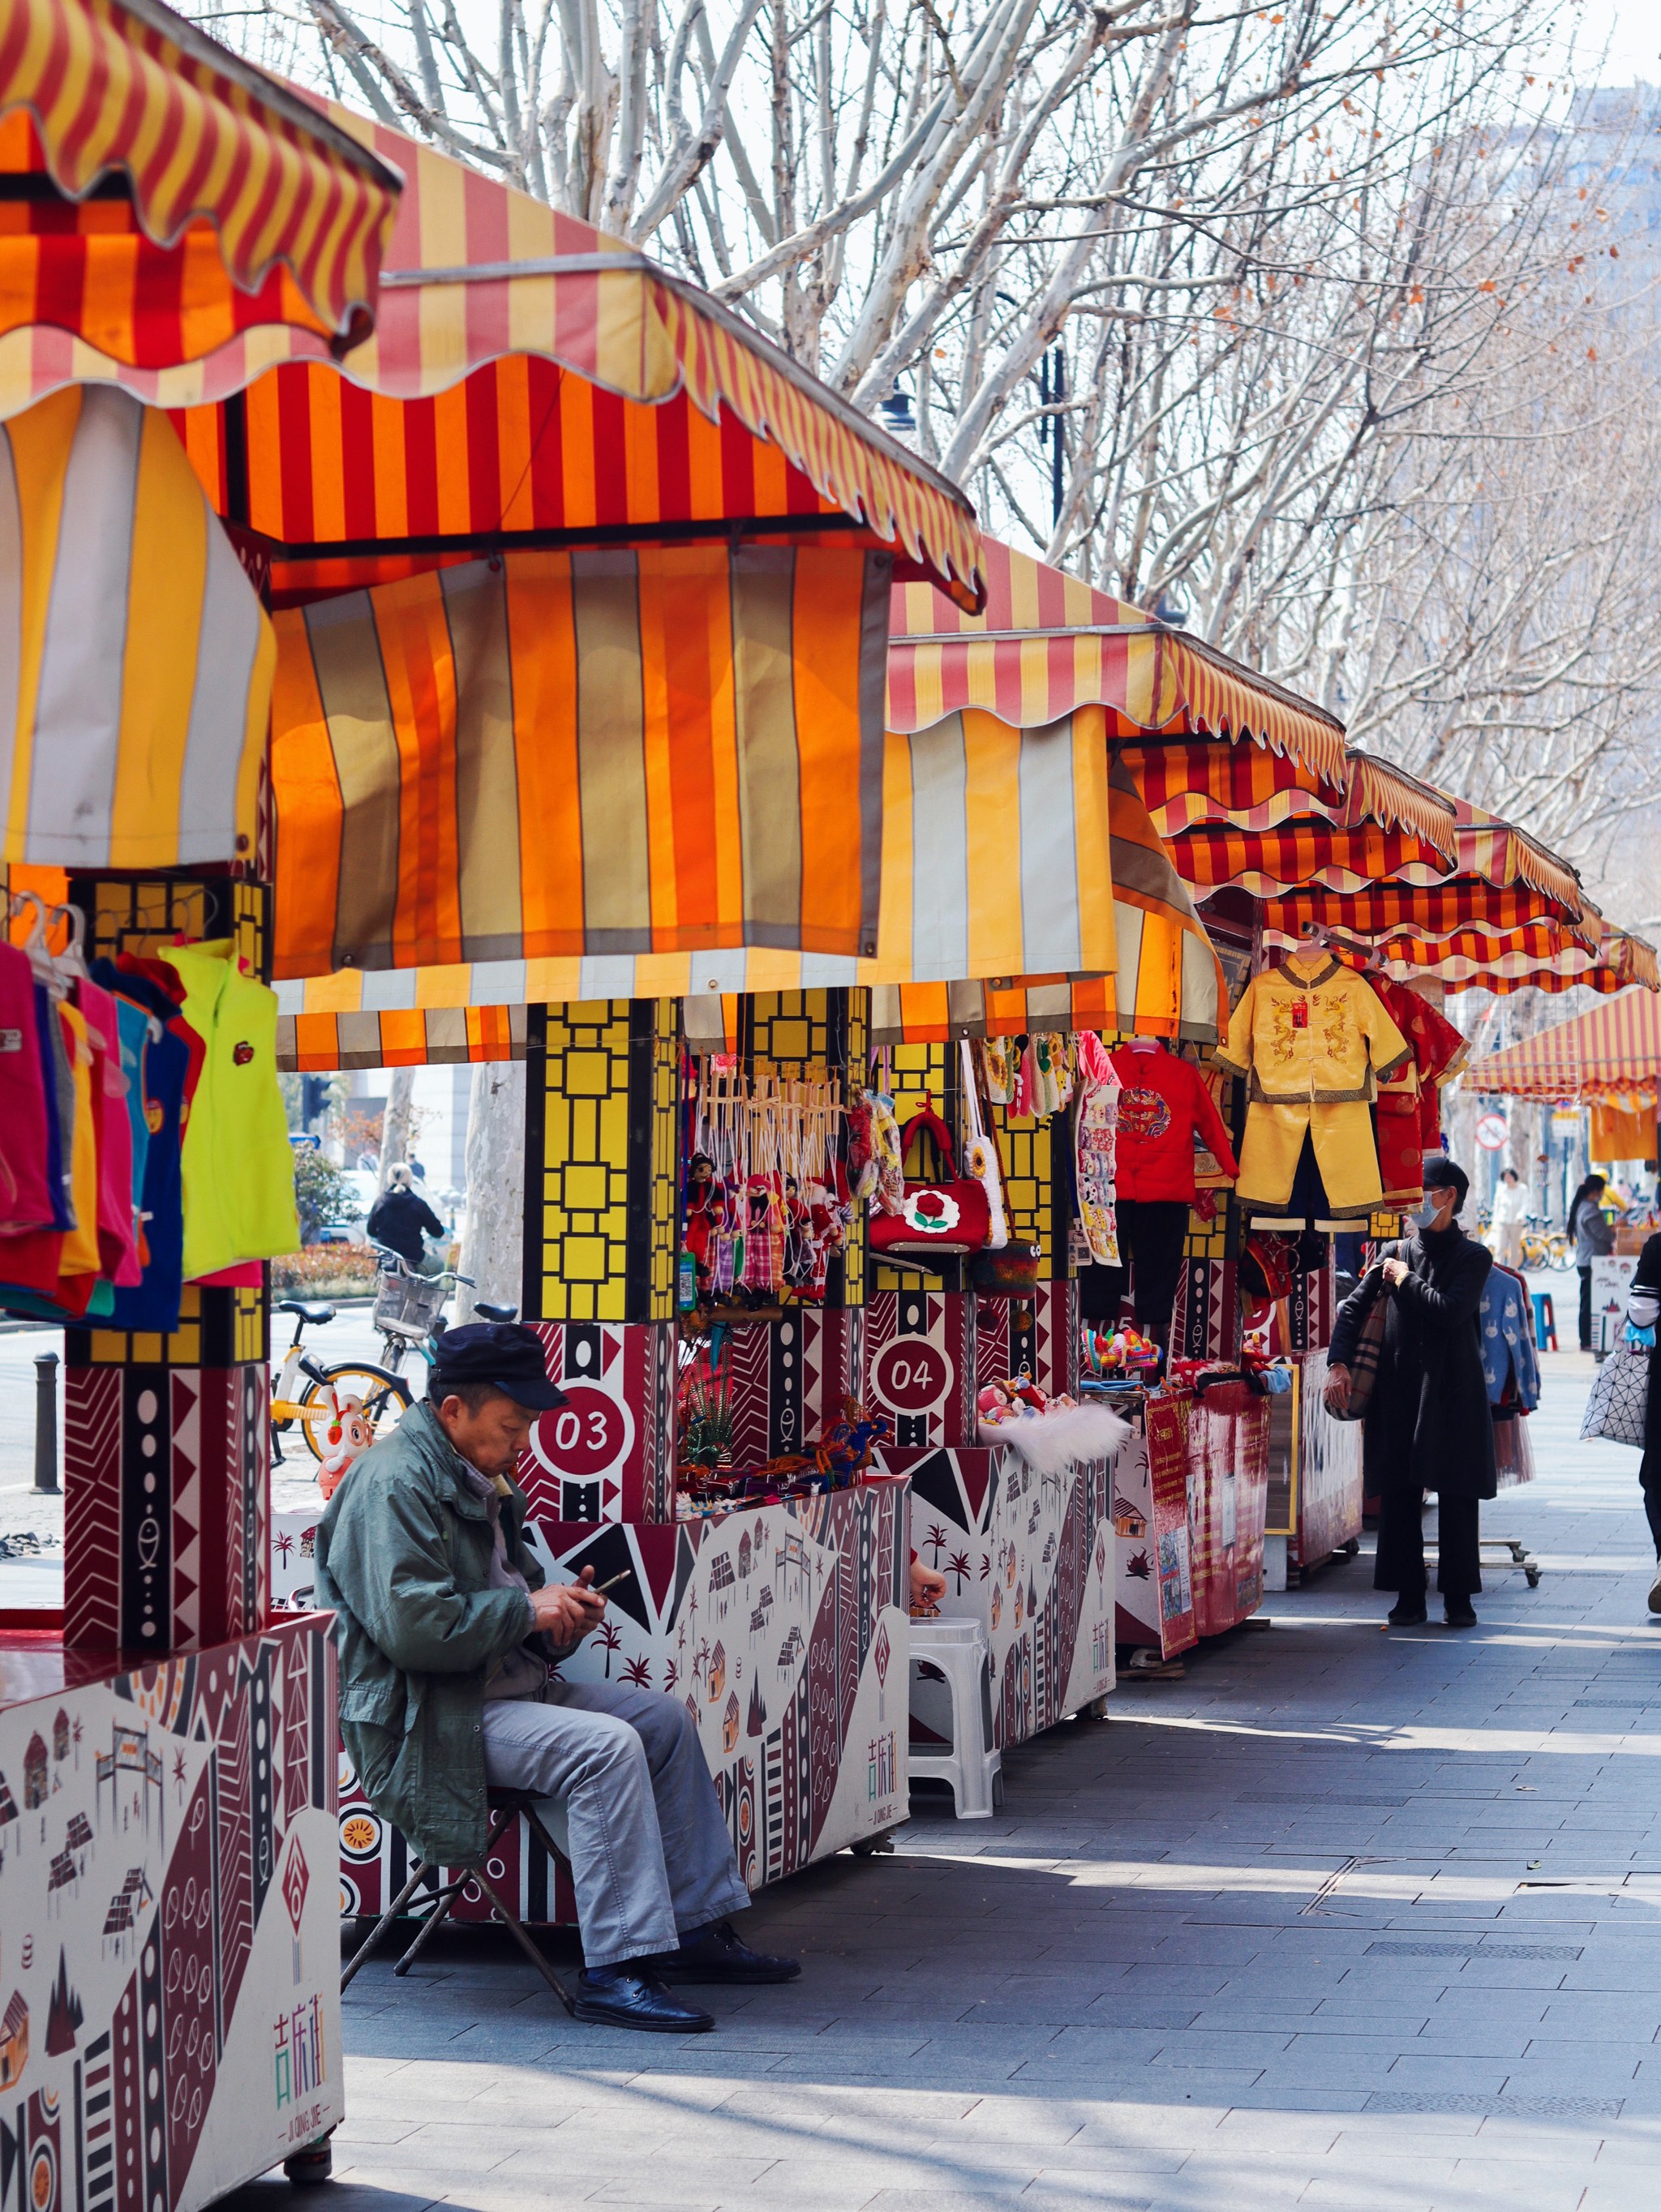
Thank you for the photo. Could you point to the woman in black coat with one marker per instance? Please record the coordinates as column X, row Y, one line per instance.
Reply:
column 1644, row 1311
column 1428, row 1424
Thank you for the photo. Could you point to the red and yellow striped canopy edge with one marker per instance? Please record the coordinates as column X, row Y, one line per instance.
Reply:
column 1045, row 643
column 490, row 401
column 1611, row 1049
column 229, row 204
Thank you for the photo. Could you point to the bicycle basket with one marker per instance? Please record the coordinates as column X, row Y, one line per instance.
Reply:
column 407, row 1304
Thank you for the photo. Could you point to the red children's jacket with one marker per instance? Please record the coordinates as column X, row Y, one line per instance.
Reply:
column 1164, row 1102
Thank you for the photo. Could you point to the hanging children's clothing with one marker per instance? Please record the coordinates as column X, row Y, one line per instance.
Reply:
column 1409, row 1103
column 1315, row 1039
column 26, row 1197
column 1164, row 1105
column 1510, row 1365
column 238, row 1163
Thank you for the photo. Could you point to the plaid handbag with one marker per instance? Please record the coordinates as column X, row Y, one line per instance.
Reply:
column 1620, row 1398
column 1363, row 1361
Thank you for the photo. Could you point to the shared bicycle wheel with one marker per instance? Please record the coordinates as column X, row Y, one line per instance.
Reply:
column 385, row 1398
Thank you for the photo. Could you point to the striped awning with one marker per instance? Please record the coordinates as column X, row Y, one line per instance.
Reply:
column 135, row 657
column 1045, row 644
column 1545, row 957
column 1429, row 910
column 731, row 855
column 1613, row 1048
column 1241, row 787
column 158, row 196
column 1502, row 854
column 1265, row 862
column 532, row 382
column 600, row 753
column 1168, row 982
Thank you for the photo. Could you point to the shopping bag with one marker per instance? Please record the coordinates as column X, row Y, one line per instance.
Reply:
column 1619, row 1404
column 949, row 1216
column 1364, row 1361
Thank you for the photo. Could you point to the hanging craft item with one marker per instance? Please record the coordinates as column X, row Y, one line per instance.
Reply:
column 981, row 1157
column 1095, row 1125
column 949, row 1216
column 766, row 1205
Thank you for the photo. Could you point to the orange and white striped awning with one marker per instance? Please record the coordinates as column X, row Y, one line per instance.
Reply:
column 1613, row 1049
column 1543, row 957
column 1045, row 643
column 1167, row 982
column 602, row 752
column 161, row 196
column 532, row 383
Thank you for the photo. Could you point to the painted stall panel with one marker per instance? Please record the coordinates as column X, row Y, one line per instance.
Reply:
column 784, row 1630
column 1029, row 1556
column 170, row 2026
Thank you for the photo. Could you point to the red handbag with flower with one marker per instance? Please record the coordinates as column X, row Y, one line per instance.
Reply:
column 949, row 1217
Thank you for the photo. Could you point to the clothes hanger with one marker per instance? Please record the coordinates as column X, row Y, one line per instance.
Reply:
column 35, row 947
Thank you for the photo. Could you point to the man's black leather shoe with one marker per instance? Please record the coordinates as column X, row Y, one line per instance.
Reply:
column 1409, row 1613
column 631, row 1996
column 717, row 1954
column 1458, row 1613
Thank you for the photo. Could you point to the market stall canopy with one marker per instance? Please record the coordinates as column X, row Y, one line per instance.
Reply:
column 532, row 383
column 603, row 753
column 135, row 657
column 163, row 200
column 1045, row 644
column 1021, row 815
column 1234, row 787
column 1167, row 984
column 1601, row 1057
column 1542, row 956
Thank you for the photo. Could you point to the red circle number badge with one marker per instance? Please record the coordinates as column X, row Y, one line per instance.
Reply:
column 911, row 1375
column 587, row 1437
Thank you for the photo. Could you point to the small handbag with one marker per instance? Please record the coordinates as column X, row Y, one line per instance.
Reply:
column 948, row 1216
column 1618, row 1406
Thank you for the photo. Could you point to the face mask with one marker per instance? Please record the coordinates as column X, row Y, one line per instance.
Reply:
column 1428, row 1214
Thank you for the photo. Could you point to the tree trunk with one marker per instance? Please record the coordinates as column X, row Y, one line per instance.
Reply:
column 395, row 1122
column 492, row 1237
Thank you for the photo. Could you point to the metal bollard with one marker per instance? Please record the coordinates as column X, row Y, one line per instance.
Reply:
column 46, row 1422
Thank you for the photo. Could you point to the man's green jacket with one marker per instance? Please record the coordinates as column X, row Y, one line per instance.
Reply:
column 404, row 1559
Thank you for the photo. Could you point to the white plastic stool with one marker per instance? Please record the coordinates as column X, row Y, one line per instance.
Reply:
column 956, row 1652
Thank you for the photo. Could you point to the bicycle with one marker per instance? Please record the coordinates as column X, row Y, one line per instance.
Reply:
column 408, row 1316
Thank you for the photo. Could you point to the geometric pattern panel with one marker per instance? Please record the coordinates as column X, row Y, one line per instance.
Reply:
column 1029, row 1556
column 1034, row 1333
column 173, row 2026
column 920, row 1364
column 602, row 1095
column 1037, row 1193
column 787, row 1380
column 218, row 1326
column 166, row 1502
column 785, row 1633
column 608, row 1454
column 914, row 1073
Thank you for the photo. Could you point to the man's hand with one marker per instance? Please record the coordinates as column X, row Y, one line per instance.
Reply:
column 1394, row 1272
column 927, row 1588
column 1336, row 1393
column 568, row 1611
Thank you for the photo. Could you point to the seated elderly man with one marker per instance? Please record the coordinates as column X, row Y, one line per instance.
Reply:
column 447, row 1637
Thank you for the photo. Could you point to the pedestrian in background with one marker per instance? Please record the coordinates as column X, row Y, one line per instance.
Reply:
column 1510, row 1211
column 1428, row 1424
column 1593, row 1240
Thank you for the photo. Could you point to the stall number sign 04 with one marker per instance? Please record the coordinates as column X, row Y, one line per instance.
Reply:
column 911, row 1375
column 1491, row 1130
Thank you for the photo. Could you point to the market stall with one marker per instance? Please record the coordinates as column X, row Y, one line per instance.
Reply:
column 167, row 1750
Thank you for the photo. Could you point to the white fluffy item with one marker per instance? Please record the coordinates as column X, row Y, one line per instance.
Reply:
column 1051, row 1443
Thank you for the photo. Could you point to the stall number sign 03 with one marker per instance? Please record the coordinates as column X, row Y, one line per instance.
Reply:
column 585, row 1436
column 911, row 1375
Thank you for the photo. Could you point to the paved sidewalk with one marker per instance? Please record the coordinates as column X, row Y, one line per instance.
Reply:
column 1345, row 1919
